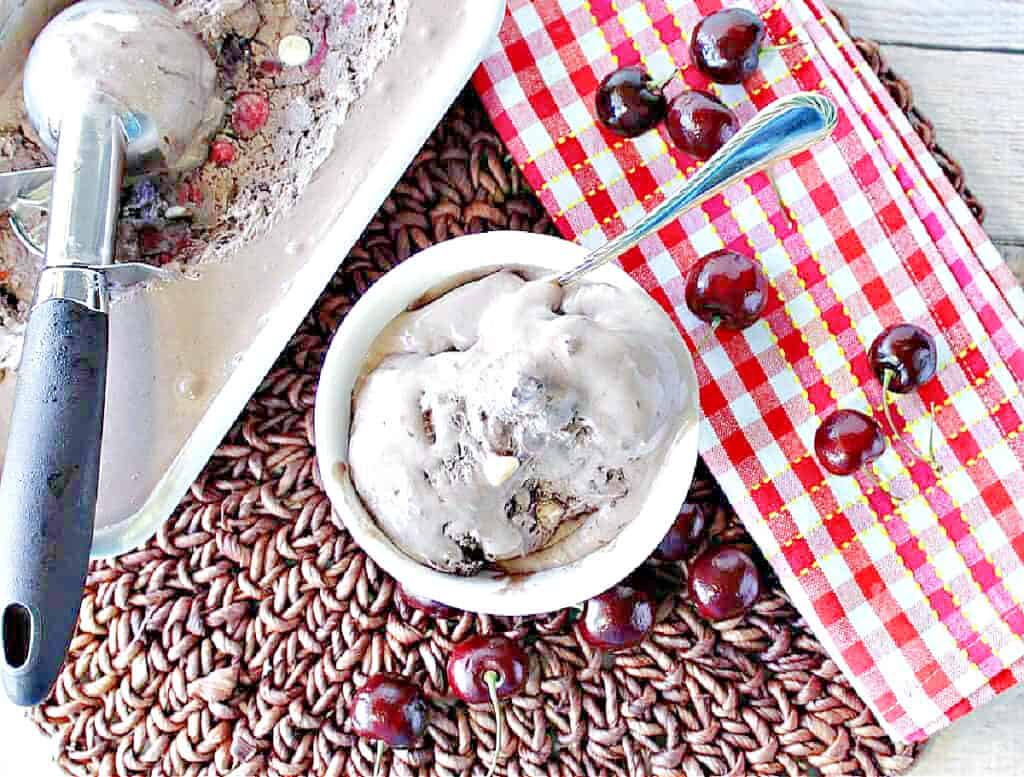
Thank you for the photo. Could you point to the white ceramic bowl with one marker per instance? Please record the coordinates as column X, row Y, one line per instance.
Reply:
column 489, row 592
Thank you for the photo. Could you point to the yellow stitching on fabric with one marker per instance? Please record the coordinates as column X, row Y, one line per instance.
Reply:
column 940, row 572
column 774, row 338
column 786, row 304
column 622, row 24
column 998, row 620
column 618, row 144
column 769, row 478
column 814, row 256
column 998, row 623
column 902, row 470
column 789, row 73
column 892, row 544
column 856, row 382
column 923, row 419
column 846, row 312
column 956, row 504
column 602, row 187
column 892, row 138
column 660, row 189
column 951, row 398
column 991, row 412
column 572, row 133
column 588, row 162
column 561, row 140
column 593, row 19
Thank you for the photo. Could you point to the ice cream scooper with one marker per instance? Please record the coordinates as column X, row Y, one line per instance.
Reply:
column 786, row 127
column 111, row 86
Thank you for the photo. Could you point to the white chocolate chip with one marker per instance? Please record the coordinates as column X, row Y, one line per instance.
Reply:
column 498, row 469
column 294, row 50
column 549, row 513
column 176, row 212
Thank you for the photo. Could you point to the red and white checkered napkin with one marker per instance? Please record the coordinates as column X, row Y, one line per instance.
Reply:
column 919, row 596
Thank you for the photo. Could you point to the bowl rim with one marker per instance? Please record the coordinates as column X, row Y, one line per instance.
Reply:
column 495, row 593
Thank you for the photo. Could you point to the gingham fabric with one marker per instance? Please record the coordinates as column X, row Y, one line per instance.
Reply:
column 913, row 581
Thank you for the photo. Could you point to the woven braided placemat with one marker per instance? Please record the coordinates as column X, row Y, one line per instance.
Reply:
column 232, row 643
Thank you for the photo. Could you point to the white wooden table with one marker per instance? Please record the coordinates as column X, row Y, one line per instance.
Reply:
column 965, row 60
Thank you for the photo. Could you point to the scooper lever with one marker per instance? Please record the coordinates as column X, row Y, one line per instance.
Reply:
column 106, row 104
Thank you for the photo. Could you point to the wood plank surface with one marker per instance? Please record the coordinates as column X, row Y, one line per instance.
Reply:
column 1014, row 256
column 977, row 25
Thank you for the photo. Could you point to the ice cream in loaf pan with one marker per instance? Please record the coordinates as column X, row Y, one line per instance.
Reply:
column 279, row 111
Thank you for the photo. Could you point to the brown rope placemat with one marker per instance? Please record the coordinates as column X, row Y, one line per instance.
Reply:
column 233, row 642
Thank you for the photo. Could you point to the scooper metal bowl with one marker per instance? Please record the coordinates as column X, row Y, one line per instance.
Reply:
column 111, row 86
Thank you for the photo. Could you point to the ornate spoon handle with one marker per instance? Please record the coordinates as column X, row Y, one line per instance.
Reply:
column 784, row 128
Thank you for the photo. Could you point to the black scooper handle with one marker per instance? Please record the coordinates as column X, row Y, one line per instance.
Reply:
column 49, row 483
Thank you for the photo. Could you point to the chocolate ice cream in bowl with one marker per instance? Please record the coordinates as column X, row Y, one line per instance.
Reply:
column 508, row 424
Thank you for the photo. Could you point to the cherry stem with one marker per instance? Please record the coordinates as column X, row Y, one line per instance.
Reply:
column 887, row 398
column 657, row 86
column 931, row 440
column 873, row 476
column 712, row 327
column 782, row 204
column 782, row 46
column 493, row 680
column 379, row 758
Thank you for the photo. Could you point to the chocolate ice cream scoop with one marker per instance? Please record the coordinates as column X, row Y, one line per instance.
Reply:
column 510, row 415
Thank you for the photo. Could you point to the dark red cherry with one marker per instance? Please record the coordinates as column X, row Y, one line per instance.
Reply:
column 682, row 539
column 425, row 605
column 724, row 582
column 389, row 709
column 904, row 358
column 475, row 657
column 727, row 44
column 619, row 618
column 727, row 288
column 700, row 124
column 848, row 440
column 907, row 353
column 629, row 102
column 645, row 579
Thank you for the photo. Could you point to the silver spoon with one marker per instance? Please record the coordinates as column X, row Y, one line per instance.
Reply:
column 784, row 128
